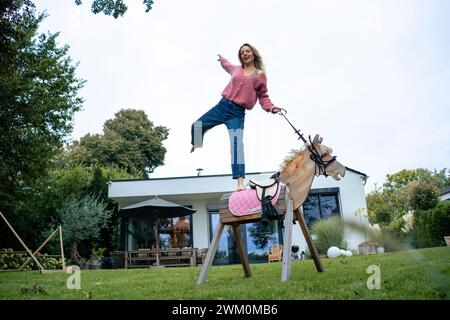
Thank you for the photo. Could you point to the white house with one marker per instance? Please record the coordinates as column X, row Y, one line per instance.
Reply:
column 327, row 197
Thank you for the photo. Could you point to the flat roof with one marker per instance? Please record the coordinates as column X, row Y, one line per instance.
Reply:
column 218, row 175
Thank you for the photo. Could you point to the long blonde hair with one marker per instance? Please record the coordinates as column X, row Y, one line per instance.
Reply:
column 258, row 59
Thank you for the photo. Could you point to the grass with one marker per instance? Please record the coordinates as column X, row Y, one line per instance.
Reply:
column 415, row 274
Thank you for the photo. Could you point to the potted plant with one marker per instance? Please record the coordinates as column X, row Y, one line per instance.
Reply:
column 368, row 247
column 97, row 257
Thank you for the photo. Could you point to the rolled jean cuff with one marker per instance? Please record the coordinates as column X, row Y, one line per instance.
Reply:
column 238, row 170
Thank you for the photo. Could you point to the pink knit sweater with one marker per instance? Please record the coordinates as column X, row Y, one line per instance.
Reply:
column 245, row 90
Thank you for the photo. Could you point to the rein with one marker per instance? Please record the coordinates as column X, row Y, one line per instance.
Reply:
column 315, row 156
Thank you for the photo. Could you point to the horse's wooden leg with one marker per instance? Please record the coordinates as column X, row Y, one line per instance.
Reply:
column 312, row 247
column 241, row 250
column 210, row 254
column 287, row 237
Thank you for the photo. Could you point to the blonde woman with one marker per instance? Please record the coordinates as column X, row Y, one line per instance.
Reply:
column 248, row 84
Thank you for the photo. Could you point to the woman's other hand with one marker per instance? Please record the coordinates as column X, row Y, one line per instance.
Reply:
column 276, row 109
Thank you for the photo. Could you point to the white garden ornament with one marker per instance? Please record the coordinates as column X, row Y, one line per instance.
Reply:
column 333, row 252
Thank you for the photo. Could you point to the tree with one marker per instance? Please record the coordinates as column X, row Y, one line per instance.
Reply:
column 433, row 225
column 115, row 8
column 77, row 182
column 38, row 99
column 402, row 193
column 402, row 178
column 130, row 141
column 82, row 219
column 422, row 195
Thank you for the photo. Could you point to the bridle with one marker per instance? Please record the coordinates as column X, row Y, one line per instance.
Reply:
column 315, row 155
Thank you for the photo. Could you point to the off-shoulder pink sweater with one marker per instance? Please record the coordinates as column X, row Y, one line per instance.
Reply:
column 245, row 90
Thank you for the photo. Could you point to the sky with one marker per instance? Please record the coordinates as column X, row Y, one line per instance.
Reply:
column 370, row 77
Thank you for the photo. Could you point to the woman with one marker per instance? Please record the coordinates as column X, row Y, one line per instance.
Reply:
column 247, row 85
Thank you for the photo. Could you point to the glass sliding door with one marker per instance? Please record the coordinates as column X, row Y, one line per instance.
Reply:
column 261, row 238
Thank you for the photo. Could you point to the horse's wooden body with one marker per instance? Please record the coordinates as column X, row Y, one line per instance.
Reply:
column 297, row 173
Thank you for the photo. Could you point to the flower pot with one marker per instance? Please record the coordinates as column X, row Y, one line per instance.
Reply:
column 367, row 249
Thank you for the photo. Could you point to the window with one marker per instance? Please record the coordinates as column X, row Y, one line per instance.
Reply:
column 321, row 204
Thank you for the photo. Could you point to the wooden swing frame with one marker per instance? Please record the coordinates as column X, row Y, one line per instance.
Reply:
column 33, row 254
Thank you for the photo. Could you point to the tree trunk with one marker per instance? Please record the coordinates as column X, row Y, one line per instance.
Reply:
column 74, row 254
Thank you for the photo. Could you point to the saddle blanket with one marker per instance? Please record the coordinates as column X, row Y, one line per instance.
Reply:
column 246, row 202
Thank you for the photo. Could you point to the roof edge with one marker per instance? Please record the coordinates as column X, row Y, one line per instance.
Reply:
column 217, row 175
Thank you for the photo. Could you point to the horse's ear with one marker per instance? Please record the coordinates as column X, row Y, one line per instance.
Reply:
column 316, row 137
column 317, row 141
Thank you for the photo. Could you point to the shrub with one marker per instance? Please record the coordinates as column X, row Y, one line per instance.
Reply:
column 422, row 196
column 10, row 260
column 432, row 225
column 329, row 232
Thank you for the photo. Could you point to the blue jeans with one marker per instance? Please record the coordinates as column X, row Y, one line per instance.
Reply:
column 233, row 116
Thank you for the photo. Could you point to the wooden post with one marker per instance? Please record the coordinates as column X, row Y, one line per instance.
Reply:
column 242, row 251
column 62, row 249
column 286, row 263
column 311, row 246
column 23, row 244
column 38, row 249
column 211, row 253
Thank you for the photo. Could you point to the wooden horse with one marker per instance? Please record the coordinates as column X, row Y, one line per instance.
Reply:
column 297, row 173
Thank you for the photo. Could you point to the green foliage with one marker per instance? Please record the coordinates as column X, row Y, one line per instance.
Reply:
column 380, row 207
column 329, row 232
column 115, row 8
column 38, row 99
column 99, row 252
column 404, row 191
column 432, row 225
column 130, row 141
column 395, row 181
column 422, row 195
column 71, row 182
column 405, row 275
column 10, row 260
column 82, row 218
column 36, row 289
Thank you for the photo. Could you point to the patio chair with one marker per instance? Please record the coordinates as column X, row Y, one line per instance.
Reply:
column 275, row 253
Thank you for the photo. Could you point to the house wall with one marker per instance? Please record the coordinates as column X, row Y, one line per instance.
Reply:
column 351, row 198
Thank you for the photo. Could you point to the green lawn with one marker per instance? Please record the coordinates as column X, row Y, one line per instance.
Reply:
column 415, row 274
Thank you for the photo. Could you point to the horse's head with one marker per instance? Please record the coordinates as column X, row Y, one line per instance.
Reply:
column 299, row 168
column 326, row 164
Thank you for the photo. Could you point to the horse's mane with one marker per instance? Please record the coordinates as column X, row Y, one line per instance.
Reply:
column 295, row 153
